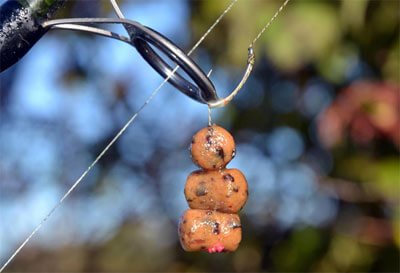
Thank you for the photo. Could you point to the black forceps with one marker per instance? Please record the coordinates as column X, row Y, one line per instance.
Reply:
column 141, row 37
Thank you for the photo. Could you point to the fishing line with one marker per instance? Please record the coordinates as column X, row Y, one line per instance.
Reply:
column 208, row 107
column 152, row 95
column 123, row 129
column 269, row 23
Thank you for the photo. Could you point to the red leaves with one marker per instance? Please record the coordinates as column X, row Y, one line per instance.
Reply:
column 363, row 112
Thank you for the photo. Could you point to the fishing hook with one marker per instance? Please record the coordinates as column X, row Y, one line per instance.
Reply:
column 251, row 58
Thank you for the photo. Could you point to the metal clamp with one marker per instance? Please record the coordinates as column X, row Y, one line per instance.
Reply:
column 143, row 38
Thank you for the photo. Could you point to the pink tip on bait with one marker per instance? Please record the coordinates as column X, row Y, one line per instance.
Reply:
column 217, row 248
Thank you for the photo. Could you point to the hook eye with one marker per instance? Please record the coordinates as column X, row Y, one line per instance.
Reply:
column 144, row 38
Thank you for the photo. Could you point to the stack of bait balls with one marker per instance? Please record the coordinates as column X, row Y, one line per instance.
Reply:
column 215, row 195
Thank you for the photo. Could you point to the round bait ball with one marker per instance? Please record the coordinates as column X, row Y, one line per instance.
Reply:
column 209, row 230
column 212, row 148
column 221, row 190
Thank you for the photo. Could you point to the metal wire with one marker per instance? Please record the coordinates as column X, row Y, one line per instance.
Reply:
column 93, row 30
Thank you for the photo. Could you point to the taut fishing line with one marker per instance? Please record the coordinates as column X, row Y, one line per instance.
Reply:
column 219, row 103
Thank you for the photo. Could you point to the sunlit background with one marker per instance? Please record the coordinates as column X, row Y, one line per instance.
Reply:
column 317, row 128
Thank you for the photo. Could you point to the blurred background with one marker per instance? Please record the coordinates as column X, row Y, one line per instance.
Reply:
column 317, row 128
